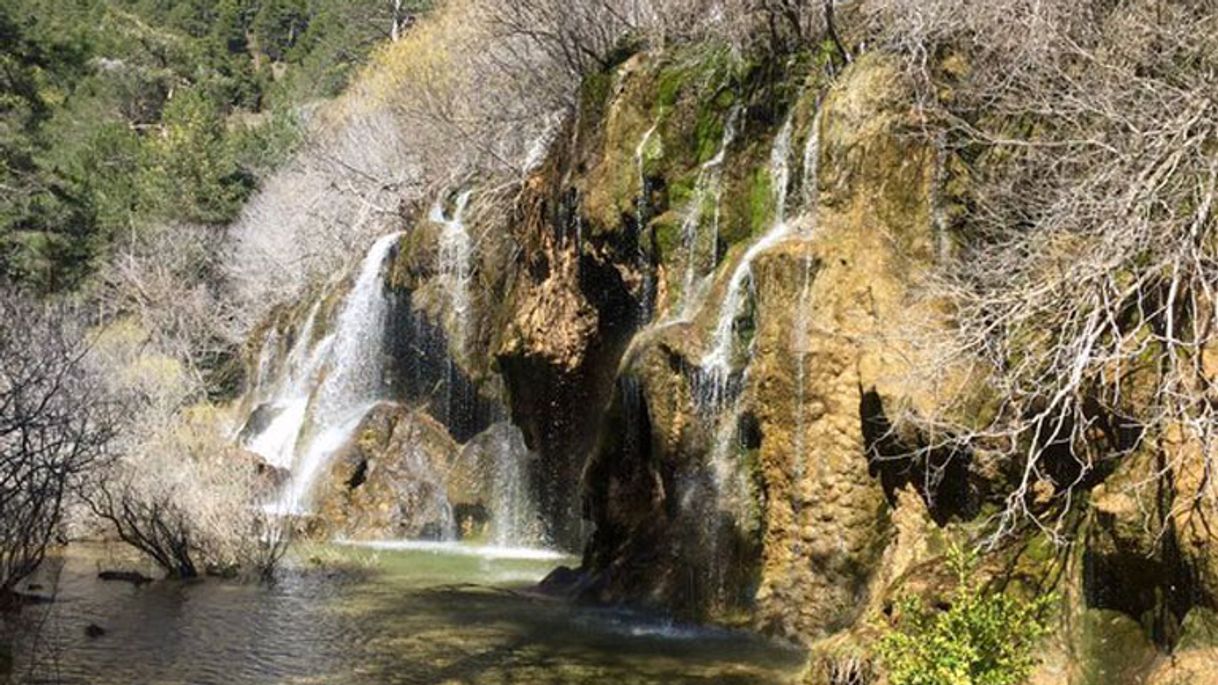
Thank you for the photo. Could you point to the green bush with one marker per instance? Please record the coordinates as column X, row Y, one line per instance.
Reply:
column 982, row 638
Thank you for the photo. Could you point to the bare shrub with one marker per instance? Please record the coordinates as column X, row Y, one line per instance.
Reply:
column 191, row 506
column 180, row 493
column 57, row 422
column 168, row 278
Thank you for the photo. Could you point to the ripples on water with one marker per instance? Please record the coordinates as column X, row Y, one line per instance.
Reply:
column 400, row 613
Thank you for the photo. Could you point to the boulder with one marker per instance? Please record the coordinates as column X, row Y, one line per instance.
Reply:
column 388, row 482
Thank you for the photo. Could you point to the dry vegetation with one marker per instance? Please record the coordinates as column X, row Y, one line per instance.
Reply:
column 57, row 423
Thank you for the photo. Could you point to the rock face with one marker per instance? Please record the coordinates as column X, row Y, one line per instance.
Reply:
column 799, row 522
column 821, row 356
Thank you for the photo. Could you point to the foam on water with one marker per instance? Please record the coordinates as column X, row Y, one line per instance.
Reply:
column 494, row 552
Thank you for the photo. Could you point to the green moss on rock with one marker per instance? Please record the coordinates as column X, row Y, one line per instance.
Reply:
column 761, row 201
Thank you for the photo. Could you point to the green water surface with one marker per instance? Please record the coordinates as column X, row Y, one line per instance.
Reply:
column 441, row 614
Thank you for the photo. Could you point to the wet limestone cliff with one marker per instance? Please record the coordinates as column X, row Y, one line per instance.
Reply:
column 681, row 342
column 755, row 501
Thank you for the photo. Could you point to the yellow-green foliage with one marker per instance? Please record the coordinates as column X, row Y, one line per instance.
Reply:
column 425, row 62
column 130, row 361
column 982, row 638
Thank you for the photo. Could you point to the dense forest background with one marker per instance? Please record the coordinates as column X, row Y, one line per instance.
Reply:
column 115, row 114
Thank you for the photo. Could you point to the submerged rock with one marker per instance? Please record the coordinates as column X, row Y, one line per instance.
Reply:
column 133, row 577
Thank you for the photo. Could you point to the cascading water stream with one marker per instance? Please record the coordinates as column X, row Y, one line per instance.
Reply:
column 717, row 362
column 289, row 400
column 352, row 356
column 708, row 185
column 728, row 488
column 454, row 264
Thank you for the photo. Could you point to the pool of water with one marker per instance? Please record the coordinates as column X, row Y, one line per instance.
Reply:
column 385, row 613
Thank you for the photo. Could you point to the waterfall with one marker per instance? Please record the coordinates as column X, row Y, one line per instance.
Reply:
column 351, row 358
column 717, row 361
column 708, row 185
column 454, row 264
column 289, row 399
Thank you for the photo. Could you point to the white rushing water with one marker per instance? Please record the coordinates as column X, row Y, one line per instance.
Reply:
column 717, row 360
column 514, row 514
column 454, row 264
column 326, row 388
column 708, row 186
column 288, row 395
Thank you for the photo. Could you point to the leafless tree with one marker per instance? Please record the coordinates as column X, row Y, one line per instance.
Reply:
column 169, row 279
column 57, row 422
column 1082, row 291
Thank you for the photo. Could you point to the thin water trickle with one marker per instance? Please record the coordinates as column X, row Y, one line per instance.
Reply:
column 799, row 344
column 717, row 362
column 708, row 186
column 647, row 297
column 455, row 251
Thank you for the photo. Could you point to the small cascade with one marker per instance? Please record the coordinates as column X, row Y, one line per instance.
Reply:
column 514, row 514
column 718, row 392
column 647, row 297
column 718, row 360
column 799, row 347
column 349, row 363
column 454, row 264
column 640, row 159
column 799, row 344
column 287, row 397
column 708, row 186
column 811, row 169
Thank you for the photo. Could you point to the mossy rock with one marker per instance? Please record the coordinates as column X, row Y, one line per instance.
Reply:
column 669, row 241
column 1114, row 649
column 1200, row 629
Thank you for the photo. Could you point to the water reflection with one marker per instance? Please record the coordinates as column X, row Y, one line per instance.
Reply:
column 414, row 615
